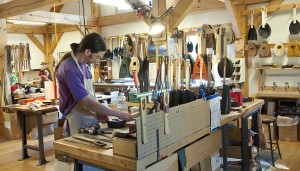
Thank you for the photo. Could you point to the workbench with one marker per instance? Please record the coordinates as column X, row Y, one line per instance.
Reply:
column 198, row 146
column 22, row 112
column 251, row 109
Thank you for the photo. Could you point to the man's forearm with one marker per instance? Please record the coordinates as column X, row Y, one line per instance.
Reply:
column 98, row 108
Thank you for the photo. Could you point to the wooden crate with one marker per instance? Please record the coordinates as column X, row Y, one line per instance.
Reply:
column 125, row 147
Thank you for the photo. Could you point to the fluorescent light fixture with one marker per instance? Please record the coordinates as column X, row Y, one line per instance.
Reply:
column 156, row 27
column 26, row 22
column 121, row 4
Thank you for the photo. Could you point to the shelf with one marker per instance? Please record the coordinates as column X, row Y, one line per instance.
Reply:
column 276, row 94
column 278, row 68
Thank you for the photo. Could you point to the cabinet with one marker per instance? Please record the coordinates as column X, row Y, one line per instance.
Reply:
column 103, row 70
column 238, row 75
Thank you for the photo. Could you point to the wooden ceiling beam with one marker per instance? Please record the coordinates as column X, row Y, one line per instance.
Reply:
column 273, row 8
column 15, row 28
column 57, row 8
column 55, row 42
column 25, row 29
column 181, row 9
column 79, row 29
column 207, row 5
column 52, row 17
column 257, row 20
column 36, row 42
column 234, row 16
column 61, row 29
column 122, row 18
column 249, row 2
column 18, row 7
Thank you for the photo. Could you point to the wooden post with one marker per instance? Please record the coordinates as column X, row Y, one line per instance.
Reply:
column 48, row 54
column 244, row 33
column 3, row 42
column 95, row 13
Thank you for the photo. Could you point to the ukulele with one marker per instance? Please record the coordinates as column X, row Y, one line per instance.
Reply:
column 264, row 50
column 293, row 49
column 279, row 49
column 252, row 51
column 200, row 70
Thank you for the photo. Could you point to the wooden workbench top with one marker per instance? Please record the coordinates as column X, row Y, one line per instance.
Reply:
column 249, row 107
column 24, row 108
column 95, row 155
column 106, row 158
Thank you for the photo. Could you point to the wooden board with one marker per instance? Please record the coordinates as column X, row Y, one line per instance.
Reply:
column 125, row 147
column 168, row 164
column 277, row 94
column 202, row 149
column 95, row 155
column 235, row 134
column 18, row 7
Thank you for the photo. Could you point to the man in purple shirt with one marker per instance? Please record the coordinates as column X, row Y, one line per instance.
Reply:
column 76, row 87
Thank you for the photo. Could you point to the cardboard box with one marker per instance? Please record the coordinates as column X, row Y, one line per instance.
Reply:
column 11, row 128
column 50, row 117
column 125, row 147
column 234, row 135
column 47, row 130
column 288, row 133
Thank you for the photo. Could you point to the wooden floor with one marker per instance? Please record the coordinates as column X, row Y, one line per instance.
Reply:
column 10, row 152
column 290, row 157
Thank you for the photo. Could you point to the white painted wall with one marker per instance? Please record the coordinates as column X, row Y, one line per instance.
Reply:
column 66, row 40
column 279, row 22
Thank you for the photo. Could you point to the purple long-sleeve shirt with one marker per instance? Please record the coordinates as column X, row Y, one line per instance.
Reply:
column 71, row 84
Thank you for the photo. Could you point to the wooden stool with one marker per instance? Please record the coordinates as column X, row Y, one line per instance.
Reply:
column 268, row 119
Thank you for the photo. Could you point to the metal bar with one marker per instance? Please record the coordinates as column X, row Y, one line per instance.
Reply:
column 224, row 147
column 149, row 93
column 31, row 147
column 245, row 160
column 42, row 159
column 24, row 138
column 158, row 145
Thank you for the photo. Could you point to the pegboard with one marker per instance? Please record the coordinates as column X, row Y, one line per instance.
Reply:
column 184, row 120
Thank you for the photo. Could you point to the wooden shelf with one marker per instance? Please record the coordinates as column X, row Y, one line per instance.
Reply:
column 273, row 94
column 266, row 68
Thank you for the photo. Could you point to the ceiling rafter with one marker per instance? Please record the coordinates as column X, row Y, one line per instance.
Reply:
column 18, row 7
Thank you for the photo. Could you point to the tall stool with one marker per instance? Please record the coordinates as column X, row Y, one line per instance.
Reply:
column 267, row 119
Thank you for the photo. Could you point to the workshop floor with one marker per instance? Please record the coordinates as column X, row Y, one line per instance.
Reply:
column 10, row 152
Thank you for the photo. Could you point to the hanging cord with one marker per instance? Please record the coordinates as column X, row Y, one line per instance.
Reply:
column 83, row 14
column 55, row 30
column 80, row 25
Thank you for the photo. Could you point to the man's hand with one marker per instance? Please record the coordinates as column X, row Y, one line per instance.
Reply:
column 124, row 116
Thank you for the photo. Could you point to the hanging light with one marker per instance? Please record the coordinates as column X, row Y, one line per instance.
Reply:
column 156, row 27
